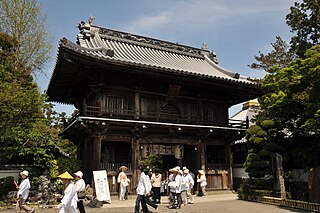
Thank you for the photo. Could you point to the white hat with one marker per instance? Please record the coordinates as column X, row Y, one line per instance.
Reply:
column 79, row 174
column 25, row 172
column 174, row 170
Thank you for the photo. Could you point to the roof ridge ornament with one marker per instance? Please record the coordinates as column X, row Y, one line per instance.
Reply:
column 212, row 55
column 90, row 19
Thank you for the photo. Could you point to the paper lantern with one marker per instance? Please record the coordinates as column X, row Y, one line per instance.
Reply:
column 178, row 151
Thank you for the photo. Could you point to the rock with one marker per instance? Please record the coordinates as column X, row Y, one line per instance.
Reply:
column 12, row 196
column 95, row 203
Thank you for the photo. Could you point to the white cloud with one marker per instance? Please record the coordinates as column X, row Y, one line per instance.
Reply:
column 201, row 15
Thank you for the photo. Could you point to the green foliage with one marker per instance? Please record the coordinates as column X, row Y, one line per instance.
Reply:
column 6, row 185
column 54, row 169
column 290, row 117
column 304, row 20
column 68, row 164
column 256, row 187
column 279, row 57
column 267, row 124
column 153, row 161
column 28, row 131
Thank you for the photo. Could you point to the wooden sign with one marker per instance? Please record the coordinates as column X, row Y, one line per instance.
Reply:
column 101, row 185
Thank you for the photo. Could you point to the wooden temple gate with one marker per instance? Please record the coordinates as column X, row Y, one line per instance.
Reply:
column 137, row 95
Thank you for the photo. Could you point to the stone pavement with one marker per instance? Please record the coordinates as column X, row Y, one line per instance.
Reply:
column 216, row 203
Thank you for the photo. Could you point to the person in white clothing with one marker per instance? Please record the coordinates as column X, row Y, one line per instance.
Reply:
column 175, row 188
column 189, row 182
column 80, row 187
column 23, row 193
column 123, row 182
column 203, row 182
column 69, row 201
column 143, row 190
column 156, row 179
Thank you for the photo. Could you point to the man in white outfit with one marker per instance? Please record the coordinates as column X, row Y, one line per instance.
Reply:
column 80, row 187
column 69, row 201
column 188, row 186
column 143, row 190
column 23, row 193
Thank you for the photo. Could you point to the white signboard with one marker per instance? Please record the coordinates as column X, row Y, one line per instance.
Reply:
column 101, row 185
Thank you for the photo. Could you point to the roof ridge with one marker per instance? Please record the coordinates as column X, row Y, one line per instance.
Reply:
column 90, row 30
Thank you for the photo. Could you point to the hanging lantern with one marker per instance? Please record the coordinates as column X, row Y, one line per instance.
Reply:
column 178, row 151
column 145, row 150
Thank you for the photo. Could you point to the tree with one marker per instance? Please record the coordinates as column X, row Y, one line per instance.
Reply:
column 279, row 57
column 304, row 20
column 24, row 21
column 29, row 128
column 292, row 102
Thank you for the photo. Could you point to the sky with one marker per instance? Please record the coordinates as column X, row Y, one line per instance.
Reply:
column 236, row 30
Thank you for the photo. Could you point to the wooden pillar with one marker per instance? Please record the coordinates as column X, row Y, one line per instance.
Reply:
column 137, row 105
column 96, row 157
column 202, row 154
column 135, row 160
column 86, row 156
column 229, row 165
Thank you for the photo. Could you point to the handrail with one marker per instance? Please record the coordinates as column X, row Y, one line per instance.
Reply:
column 154, row 116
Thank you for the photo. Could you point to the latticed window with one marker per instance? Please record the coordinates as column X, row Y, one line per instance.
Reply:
column 189, row 111
column 215, row 113
column 118, row 104
column 216, row 158
column 150, row 107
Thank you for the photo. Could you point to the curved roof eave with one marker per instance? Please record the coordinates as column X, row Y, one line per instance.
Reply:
column 92, row 53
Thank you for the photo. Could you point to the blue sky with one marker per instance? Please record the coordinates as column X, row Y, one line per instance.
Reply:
column 236, row 30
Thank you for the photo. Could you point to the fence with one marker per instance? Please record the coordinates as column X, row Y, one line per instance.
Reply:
column 297, row 204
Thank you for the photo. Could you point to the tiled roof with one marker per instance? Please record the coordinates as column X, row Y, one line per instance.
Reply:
column 111, row 45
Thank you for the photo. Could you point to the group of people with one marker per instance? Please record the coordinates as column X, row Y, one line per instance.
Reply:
column 180, row 183
column 74, row 193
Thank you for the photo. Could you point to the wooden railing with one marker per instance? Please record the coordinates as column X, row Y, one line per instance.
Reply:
column 115, row 166
column 93, row 111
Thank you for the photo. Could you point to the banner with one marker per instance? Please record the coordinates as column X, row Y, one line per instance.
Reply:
column 101, row 185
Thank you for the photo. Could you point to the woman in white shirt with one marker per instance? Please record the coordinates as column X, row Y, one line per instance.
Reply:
column 203, row 182
column 156, row 179
column 80, row 187
column 123, row 182
column 69, row 201
column 23, row 193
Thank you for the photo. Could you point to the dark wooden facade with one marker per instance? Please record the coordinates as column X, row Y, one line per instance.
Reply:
column 138, row 96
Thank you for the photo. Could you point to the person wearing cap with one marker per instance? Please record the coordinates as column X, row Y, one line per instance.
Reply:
column 175, row 188
column 203, row 182
column 80, row 187
column 70, row 198
column 123, row 182
column 23, row 193
column 189, row 182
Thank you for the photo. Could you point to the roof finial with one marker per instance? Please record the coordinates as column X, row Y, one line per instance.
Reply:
column 204, row 46
column 90, row 20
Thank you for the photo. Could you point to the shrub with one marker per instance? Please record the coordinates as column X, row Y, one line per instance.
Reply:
column 6, row 185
